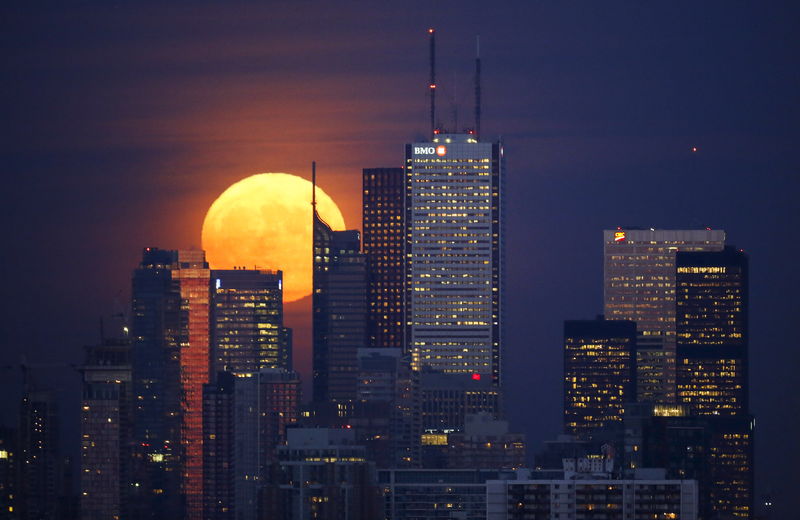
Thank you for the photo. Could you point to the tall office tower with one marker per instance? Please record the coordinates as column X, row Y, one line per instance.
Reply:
column 245, row 420
column 339, row 312
column 454, row 256
column 39, row 461
column 711, row 325
column 383, row 218
column 599, row 373
column 106, row 431
column 712, row 368
column 247, row 321
column 192, row 273
column 156, row 331
column 170, row 364
column 639, row 285
column 9, row 461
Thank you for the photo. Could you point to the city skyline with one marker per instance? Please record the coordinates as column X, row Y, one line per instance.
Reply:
column 618, row 152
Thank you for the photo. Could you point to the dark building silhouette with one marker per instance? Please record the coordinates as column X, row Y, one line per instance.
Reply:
column 157, row 329
column 383, row 219
column 247, row 332
column 712, row 449
column 40, row 464
column 599, row 373
column 106, row 431
column 245, row 421
column 218, row 448
column 446, row 400
column 338, row 313
column 322, row 473
column 9, row 460
column 386, row 413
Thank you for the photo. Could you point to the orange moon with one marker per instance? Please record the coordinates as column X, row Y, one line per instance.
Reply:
column 264, row 222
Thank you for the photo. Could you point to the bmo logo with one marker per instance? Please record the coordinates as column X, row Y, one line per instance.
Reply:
column 440, row 150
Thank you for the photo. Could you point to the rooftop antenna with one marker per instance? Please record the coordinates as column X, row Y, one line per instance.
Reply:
column 455, row 102
column 477, row 87
column 432, row 85
column 314, row 185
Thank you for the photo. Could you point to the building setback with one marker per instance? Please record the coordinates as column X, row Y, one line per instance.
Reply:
column 454, row 256
column 599, row 373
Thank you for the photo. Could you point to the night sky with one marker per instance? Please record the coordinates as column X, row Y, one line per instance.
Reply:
column 122, row 123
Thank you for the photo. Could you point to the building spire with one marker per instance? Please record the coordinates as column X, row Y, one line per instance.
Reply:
column 314, row 185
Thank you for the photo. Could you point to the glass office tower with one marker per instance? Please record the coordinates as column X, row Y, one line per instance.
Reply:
column 454, row 255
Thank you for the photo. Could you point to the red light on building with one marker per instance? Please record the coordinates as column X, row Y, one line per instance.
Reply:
column 441, row 150
column 476, row 377
column 433, row 85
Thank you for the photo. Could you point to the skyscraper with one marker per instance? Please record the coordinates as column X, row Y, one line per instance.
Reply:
column 247, row 321
column 712, row 368
column 170, row 364
column 383, row 218
column 639, row 285
column 106, row 431
column 39, row 464
column 454, row 255
column 599, row 373
column 156, row 329
column 711, row 326
column 192, row 274
column 339, row 312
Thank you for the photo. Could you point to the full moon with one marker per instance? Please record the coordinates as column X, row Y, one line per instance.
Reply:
column 264, row 222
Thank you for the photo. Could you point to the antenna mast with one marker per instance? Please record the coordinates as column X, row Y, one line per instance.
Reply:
column 432, row 85
column 314, row 185
column 477, row 87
